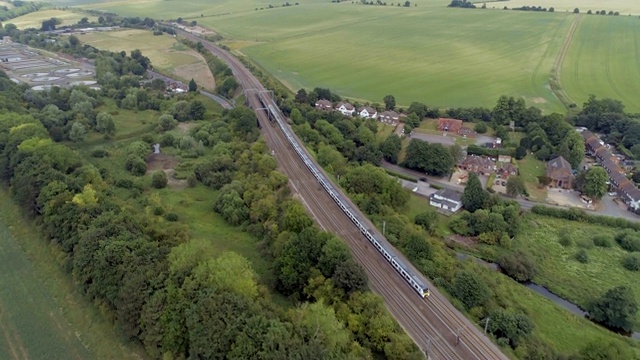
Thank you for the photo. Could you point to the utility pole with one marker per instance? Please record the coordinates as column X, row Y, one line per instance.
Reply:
column 384, row 228
column 486, row 324
column 458, row 336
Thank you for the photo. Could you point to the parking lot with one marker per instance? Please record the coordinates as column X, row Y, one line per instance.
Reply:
column 43, row 70
column 569, row 198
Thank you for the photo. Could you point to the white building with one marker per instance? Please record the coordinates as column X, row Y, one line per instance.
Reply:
column 346, row 109
column 368, row 112
column 446, row 199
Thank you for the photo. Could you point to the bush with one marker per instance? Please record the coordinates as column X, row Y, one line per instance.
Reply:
column 629, row 240
column 192, row 180
column 603, row 240
column 518, row 265
column 158, row 211
column 632, row 262
column 99, row 153
column 585, row 243
column 173, row 217
column 124, row 183
column 159, row 180
column 582, row 256
column 564, row 238
column 480, row 128
column 167, row 140
column 136, row 165
column 575, row 214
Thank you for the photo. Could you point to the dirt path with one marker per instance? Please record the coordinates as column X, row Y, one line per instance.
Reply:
column 556, row 70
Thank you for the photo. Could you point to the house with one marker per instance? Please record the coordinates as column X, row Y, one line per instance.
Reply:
column 449, row 125
column 323, row 104
column 466, row 132
column 446, row 199
column 504, row 158
column 505, row 170
column 368, row 112
column 480, row 165
column 560, row 172
column 346, row 109
column 390, row 117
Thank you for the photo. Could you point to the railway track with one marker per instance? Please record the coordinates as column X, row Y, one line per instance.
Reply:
column 433, row 323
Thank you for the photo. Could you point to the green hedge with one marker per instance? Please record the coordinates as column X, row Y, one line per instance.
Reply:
column 401, row 176
column 582, row 216
column 478, row 150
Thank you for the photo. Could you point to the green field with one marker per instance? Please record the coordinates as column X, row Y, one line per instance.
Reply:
column 565, row 276
column 34, row 19
column 604, row 59
column 42, row 316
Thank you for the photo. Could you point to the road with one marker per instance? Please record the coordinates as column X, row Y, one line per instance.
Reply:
column 220, row 100
column 433, row 323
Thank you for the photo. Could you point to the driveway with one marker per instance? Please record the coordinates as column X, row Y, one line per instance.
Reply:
column 435, row 139
column 423, row 188
column 483, row 139
column 610, row 207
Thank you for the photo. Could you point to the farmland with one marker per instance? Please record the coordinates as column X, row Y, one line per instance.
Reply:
column 623, row 6
column 40, row 311
column 34, row 20
column 165, row 53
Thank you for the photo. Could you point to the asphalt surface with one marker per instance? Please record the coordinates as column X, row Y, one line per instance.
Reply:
column 220, row 100
column 433, row 323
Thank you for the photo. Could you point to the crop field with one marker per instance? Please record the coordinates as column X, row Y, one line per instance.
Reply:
column 562, row 274
column 35, row 19
column 604, row 59
column 166, row 54
column 42, row 316
column 623, row 6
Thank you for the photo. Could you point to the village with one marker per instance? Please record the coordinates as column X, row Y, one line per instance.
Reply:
column 623, row 198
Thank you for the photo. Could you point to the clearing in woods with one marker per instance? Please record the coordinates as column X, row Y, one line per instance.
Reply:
column 42, row 316
column 35, row 19
column 166, row 54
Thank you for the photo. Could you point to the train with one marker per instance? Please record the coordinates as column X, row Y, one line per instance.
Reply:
column 386, row 251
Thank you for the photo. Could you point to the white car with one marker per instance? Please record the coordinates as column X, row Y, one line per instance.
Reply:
column 613, row 193
column 415, row 189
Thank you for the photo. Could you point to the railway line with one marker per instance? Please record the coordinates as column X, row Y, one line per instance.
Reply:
column 433, row 323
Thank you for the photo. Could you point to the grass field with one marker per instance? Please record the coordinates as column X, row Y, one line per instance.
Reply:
column 604, row 59
column 530, row 168
column 623, row 6
column 34, row 19
column 165, row 53
column 565, row 276
column 42, row 316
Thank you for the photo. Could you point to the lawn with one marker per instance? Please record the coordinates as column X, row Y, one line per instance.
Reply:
column 164, row 51
column 530, row 168
column 35, row 19
column 42, row 316
column 561, row 273
column 603, row 64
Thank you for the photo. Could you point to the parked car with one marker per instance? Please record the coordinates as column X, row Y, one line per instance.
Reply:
column 423, row 179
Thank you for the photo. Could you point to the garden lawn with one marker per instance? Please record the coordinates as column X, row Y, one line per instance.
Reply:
column 604, row 59
column 530, row 168
column 35, row 19
column 565, row 276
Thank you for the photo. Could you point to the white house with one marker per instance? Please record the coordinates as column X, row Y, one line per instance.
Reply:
column 446, row 199
column 390, row 117
column 368, row 112
column 346, row 109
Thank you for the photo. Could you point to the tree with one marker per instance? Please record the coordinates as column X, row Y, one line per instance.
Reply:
column 595, row 185
column 470, row 289
column 428, row 220
column 480, row 128
column 519, row 265
column 193, row 87
column 78, row 132
column 302, row 97
column 159, row 179
column 511, row 326
column 296, row 116
column 105, row 124
column 391, row 147
column 197, row 110
column 474, row 196
column 617, row 308
column 577, row 11
column 389, row 102
column 521, row 152
column 166, row 122
column 515, row 186
column 350, row 277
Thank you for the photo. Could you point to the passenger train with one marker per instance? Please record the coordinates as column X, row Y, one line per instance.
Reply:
column 388, row 253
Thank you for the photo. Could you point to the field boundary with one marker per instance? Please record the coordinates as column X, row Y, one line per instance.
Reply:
column 556, row 69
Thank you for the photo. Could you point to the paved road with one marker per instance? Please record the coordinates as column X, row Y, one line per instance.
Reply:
column 434, row 139
column 432, row 323
column 220, row 100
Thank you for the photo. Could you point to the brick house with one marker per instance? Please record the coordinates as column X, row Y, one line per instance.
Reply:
column 480, row 165
column 560, row 172
column 449, row 125
column 323, row 104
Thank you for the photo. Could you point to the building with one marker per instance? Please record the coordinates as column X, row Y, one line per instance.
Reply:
column 627, row 191
column 480, row 165
column 466, row 132
column 560, row 172
column 505, row 170
column 323, row 104
column 446, row 199
column 346, row 109
column 449, row 125
column 368, row 112
column 390, row 117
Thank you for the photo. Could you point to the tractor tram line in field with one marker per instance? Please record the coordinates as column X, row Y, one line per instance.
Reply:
column 433, row 323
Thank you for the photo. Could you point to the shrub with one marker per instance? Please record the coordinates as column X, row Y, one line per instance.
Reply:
column 159, row 180
column 148, row 138
column 603, row 240
column 158, row 211
column 632, row 262
column 575, row 214
column 519, row 265
column 192, row 180
column 173, row 217
column 582, row 256
column 480, row 128
column 167, row 140
column 136, row 165
column 564, row 238
column 124, row 183
column 99, row 153
column 629, row 240
column 585, row 243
